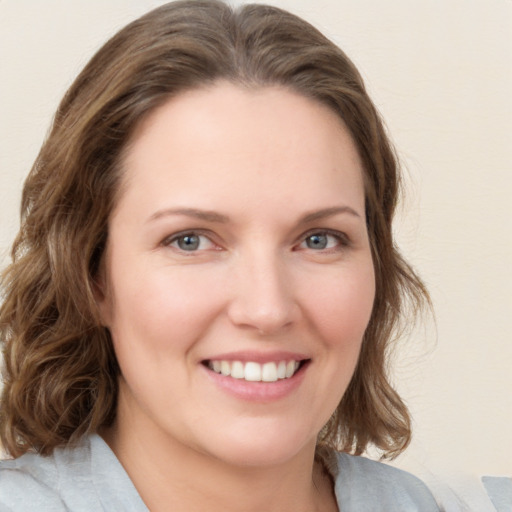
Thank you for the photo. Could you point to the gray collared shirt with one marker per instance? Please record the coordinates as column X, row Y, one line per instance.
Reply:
column 89, row 478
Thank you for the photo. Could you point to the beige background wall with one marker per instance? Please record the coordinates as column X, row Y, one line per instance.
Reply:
column 441, row 73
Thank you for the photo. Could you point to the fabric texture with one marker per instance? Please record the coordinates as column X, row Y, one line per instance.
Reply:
column 89, row 478
column 499, row 490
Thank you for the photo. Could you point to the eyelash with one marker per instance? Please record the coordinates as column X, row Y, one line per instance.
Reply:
column 170, row 240
column 341, row 238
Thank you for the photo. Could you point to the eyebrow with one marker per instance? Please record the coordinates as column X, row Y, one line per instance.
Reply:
column 206, row 215
column 212, row 216
column 327, row 212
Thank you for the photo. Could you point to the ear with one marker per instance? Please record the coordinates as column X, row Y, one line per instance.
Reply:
column 102, row 295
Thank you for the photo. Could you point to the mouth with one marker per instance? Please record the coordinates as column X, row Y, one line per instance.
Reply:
column 252, row 371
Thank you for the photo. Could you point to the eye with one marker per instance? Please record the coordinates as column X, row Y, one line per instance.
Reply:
column 324, row 240
column 189, row 242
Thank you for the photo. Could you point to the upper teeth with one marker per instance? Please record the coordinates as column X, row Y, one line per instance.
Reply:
column 255, row 372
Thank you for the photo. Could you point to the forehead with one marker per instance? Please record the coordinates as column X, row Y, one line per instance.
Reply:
column 223, row 140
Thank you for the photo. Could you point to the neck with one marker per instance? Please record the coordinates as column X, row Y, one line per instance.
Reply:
column 171, row 476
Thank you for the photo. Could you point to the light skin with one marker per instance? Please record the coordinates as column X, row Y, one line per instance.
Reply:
column 239, row 235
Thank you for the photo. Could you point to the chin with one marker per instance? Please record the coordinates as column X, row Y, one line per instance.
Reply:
column 262, row 446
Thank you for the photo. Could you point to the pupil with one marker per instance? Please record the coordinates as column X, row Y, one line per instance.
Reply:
column 189, row 242
column 317, row 241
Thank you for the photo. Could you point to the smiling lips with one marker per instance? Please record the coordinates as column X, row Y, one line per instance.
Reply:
column 255, row 372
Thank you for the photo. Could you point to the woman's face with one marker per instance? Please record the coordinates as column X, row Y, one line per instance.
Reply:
column 238, row 275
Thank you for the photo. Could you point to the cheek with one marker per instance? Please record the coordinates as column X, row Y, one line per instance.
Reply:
column 342, row 307
column 164, row 310
column 339, row 309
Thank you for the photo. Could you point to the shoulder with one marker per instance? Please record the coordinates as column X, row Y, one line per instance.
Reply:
column 29, row 481
column 33, row 482
column 82, row 478
column 364, row 484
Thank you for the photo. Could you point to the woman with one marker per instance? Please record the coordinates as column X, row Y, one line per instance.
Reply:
column 205, row 285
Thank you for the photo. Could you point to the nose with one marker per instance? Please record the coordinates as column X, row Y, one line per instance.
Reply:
column 262, row 295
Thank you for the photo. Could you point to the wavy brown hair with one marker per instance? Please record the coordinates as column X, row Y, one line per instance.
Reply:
column 60, row 370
